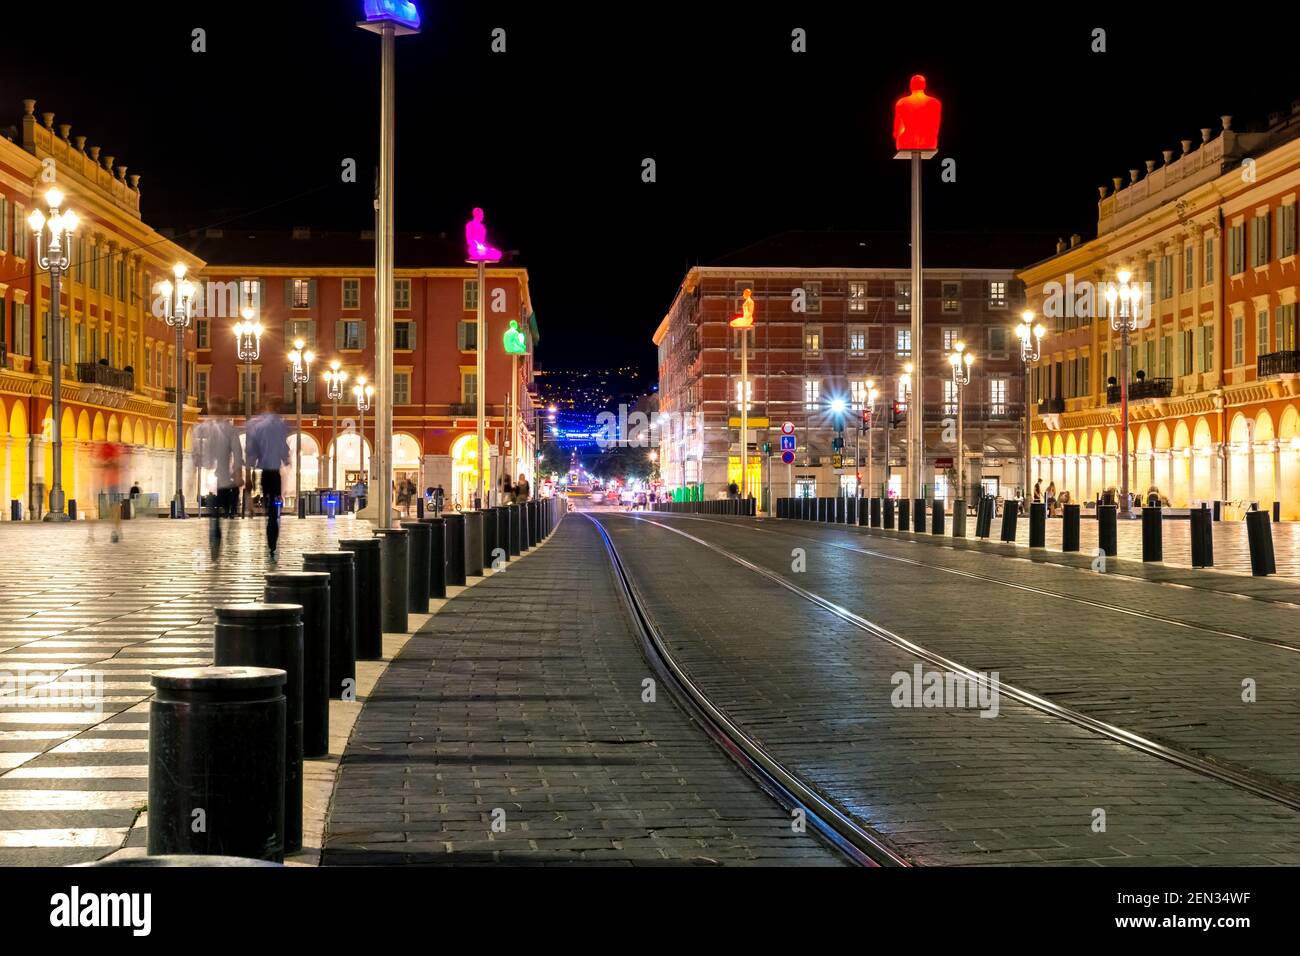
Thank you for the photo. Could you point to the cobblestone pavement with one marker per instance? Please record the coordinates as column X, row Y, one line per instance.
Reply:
column 945, row 784
column 520, row 703
column 73, row 775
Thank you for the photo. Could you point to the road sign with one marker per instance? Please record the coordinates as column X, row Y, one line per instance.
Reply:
column 787, row 457
column 837, row 461
column 787, row 443
column 787, row 428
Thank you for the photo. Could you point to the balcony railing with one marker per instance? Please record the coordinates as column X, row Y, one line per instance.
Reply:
column 1146, row 388
column 1051, row 406
column 92, row 373
column 1277, row 363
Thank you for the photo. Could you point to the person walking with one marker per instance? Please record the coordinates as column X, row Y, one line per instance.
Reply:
column 108, row 459
column 404, row 490
column 268, row 450
column 217, row 449
column 523, row 491
column 1051, row 499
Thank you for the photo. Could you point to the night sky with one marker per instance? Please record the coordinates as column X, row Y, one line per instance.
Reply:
column 749, row 139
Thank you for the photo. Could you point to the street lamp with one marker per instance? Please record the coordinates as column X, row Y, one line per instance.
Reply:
column 961, row 361
column 300, row 359
column 335, row 379
column 178, row 300
column 1031, row 350
column 52, row 255
column 1123, row 320
column 363, row 392
column 248, row 343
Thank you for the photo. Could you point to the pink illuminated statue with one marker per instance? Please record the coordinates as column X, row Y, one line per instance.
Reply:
column 916, row 119
column 476, row 240
column 745, row 317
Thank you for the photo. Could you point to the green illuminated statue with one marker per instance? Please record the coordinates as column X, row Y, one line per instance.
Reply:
column 516, row 342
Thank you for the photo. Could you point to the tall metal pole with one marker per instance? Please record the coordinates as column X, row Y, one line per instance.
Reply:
column 916, row 416
column 384, row 281
column 1123, row 413
column 744, row 414
column 179, row 499
column 297, row 464
column 364, row 475
column 334, row 446
column 961, row 448
column 56, row 512
column 1029, row 421
column 514, row 414
column 480, row 383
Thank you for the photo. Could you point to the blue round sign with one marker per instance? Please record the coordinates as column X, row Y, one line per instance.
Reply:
column 787, row 457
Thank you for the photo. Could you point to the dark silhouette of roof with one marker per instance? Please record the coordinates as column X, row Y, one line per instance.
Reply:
column 245, row 247
column 831, row 249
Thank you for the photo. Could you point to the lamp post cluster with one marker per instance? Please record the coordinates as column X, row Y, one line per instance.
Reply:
column 1124, row 319
column 53, row 241
column 961, row 361
column 364, row 392
column 335, row 379
column 300, row 359
column 1031, row 350
column 178, row 300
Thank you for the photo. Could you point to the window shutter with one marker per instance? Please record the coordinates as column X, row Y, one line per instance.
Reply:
column 311, row 294
column 410, row 334
column 362, row 327
column 460, row 336
column 309, row 393
column 311, row 333
column 261, row 295
column 288, row 293
column 286, row 393
column 340, row 333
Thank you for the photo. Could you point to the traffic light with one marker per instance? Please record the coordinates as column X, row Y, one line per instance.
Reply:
column 837, row 443
column 866, row 419
column 897, row 414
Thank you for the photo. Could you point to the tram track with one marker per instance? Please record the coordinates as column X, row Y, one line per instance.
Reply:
column 1230, row 774
column 1015, row 585
column 858, row 843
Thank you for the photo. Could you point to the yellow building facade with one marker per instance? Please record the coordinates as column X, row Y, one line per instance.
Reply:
column 119, row 357
column 1210, row 236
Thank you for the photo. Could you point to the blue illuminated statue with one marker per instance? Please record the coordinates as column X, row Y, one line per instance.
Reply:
column 399, row 11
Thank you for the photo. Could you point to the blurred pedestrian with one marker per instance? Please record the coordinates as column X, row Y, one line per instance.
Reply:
column 217, row 449
column 405, row 490
column 523, row 491
column 108, row 460
column 268, row 450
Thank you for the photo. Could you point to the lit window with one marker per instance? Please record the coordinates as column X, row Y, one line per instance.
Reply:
column 997, row 294
column 812, row 394
column 857, row 341
column 952, row 297
column 902, row 342
column 300, row 294
column 749, row 394
column 997, row 396
column 812, row 340
column 857, row 297
column 351, row 293
column 903, row 295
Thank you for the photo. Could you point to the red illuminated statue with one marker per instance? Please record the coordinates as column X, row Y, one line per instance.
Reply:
column 916, row 119
column 745, row 317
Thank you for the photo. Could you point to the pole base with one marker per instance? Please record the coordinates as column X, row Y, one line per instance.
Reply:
column 55, row 516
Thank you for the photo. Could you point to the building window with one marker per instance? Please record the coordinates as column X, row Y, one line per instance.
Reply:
column 1207, row 348
column 20, row 232
column 121, row 278
column 1166, row 355
column 1286, row 230
column 1208, row 272
column 1189, row 352
column 1149, row 357
column 1166, row 276
column 469, row 388
column 1189, row 269
column 1261, row 333
column 742, row 335
column 250, row 294
column 148, row 364
column 4, row 224
column 108, row 274
column 1259, row 241
column 857, row 341
column 749, row 394
column 1284, row 328
column 22, row 328
column 857, row 394
column 401, row 388
column 1238, row 341
column 201, row 389
column 857, row 297
column 902, row 342
column 467, row 336
column 94, row 268
column 997, row 294
column 812, row 340
column 351, row 333
column 949, row 397
column 300, row 294
column 903, row 295
column 469, row 295
column 952, row 297
column 79, row 263
column 1236, row 250
column 901, row 392
column 997, row 342
column 950, row 339
column 351, row 293
column 201, row 333
column 812, row 292
column 997, row 396
column 402, row 293
column 812, row 394
column 403, row 336
column 250, row 381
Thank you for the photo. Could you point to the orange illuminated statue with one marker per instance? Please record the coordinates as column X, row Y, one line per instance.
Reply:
column 916, row 120
column 745, row 317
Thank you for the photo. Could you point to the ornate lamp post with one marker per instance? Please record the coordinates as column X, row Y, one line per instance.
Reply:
column 178, row 300
column 1031, row 350
column 300, row 359
column 335, row 379
column 1123, row 320
column 872, row 392
column 248, row 342
column 363, row 392
column 52, row 249
column 961, row 361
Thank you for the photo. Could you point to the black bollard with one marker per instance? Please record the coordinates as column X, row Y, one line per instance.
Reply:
column 437, row 558
column 270, row 636
column 959, row 518
column 875, row 512
column 1153, row 548
column 525, row 522
column 1259, row 533
column 310, row 590
column 343, row 618
column 1202, row 520
column 473, row 543
column 1070, row 527
column 455, row 548
column 918, row 515
column 1010, row 515
column 851, row 514
column 1038, row 525
column 904, row 514
column 369, row 607
column 72, row 509
column 512, row 514
column 394, row 578
column 419, row 507
column 889, row 514
column 1107, row 534
column 936, row 516
column 216, row 754
column 302, row 507
column 417, row 565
